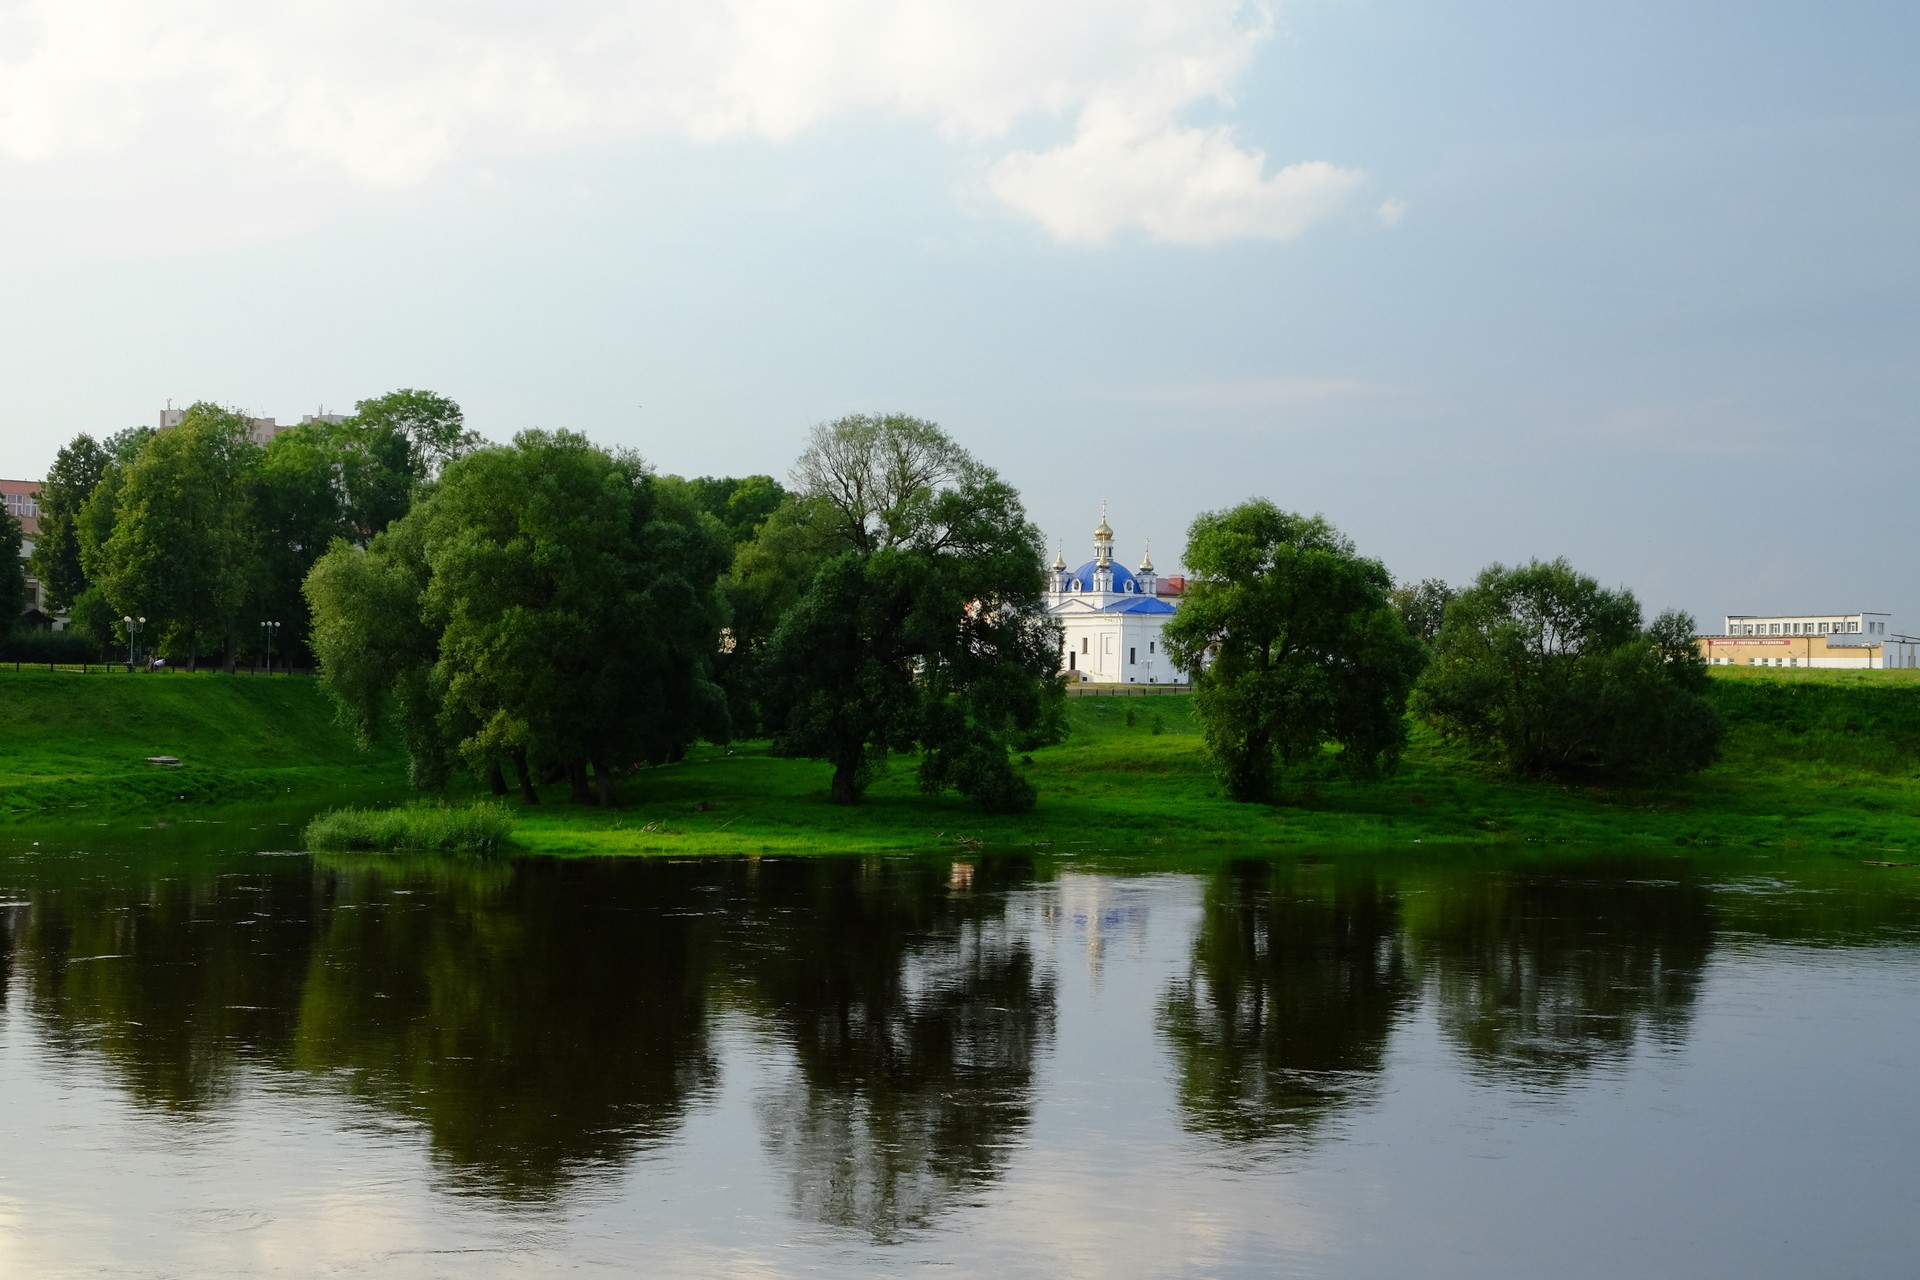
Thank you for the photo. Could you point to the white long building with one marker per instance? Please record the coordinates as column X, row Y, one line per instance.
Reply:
column 1809, row 624
column 1864, row 640
column 1112, row 617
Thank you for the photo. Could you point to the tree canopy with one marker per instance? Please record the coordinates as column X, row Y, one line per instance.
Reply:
column 1295, row 643
column 13, row 574
column 919, row 624
column 1546, row 670
column 77, row 470
column 177, row 547
column 547, row 604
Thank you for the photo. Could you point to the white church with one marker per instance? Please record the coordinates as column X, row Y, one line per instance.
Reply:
column 1112, row 617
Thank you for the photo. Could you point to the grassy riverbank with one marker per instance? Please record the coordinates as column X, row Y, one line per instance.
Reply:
column 1821, row 760
column 1813, row 759
column 70, row 741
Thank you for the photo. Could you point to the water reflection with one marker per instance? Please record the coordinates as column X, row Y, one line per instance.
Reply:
column 174, row 982
column 916, row 1012
column 1540, row 977
column 1298, row 975
column 542, row 1023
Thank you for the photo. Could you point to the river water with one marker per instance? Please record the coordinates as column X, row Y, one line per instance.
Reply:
column 219, row 1057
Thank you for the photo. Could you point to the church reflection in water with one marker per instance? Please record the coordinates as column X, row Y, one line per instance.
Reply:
column 541, row 1022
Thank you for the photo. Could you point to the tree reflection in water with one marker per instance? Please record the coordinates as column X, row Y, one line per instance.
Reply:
column 176, row 981
column 916, row 1013
column 543, row 1020
column 1297, row 977
column 1543, row 976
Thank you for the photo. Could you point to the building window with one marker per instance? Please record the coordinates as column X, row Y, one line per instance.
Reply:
column 1853, row 628
column 1133, row 656
column 1150, row 645
column 1071, row 655
column 1083, row 644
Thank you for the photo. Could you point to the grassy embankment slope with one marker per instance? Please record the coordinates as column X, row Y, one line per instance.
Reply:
column 1817, row 759
column 70, row 741
column 1827, row 759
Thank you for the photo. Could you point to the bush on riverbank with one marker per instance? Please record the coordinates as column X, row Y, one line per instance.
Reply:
column 482, row 827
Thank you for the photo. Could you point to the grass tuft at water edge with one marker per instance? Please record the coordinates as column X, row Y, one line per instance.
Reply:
column 480, row 827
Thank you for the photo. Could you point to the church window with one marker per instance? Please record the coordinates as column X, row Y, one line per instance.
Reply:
column 1133, row 655
column 1083, row 644
column 1150, row 646
column 1071, row 655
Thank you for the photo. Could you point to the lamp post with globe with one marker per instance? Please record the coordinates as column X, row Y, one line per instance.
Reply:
column 133, row 626
column 268, row 629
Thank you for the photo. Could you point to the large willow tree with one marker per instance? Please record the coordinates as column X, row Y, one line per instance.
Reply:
column 1296, row 643
column 546, row 606
column 919, row 626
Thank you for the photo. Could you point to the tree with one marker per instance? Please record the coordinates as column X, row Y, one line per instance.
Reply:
column 13, row 573
column 1549, row 672
column 76, row 472
column 1423, row 606
column 771, row 569
column 433, row 428
column 742, row 505
column 921, row 625
column 1295, row 644
column 549, row 604
column 373, row 644
column 179, row 542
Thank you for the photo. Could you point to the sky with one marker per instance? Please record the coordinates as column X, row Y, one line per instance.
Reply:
column 1634, row 284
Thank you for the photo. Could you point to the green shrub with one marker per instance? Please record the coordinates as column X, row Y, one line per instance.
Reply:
column 481, row 826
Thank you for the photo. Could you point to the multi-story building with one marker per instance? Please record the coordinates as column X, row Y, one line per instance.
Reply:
column 1111, row 618
column 259, row 430
column 1808, row 624
column 22, row 500
column 1864, row 640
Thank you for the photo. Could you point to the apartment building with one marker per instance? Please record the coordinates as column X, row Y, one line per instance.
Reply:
column 22, row 501
column 259, row 430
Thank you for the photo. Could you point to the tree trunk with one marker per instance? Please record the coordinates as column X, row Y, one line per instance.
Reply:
column 233, row 652
column 496, row 780
column 845, row 783
column 577, row 789
column 193, row 650
column 602, row 784
column 527, row 794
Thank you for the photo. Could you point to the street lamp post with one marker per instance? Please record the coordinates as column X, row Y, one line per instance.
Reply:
column 268, row 628
column 133, row 626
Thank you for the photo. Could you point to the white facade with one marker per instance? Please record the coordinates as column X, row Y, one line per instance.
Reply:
column 1864, row 640
column 1111, row 618
column 1870, row 627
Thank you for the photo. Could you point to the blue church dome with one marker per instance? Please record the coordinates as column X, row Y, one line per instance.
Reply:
column 1123, row 579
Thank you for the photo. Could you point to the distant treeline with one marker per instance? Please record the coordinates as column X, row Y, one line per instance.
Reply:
column 549, row 609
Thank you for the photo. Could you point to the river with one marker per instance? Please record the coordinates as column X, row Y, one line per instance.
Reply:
column 222, row 1056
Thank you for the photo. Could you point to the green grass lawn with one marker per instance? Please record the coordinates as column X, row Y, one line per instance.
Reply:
column 1815, row 759
column 70, row 741
column 1828, row 759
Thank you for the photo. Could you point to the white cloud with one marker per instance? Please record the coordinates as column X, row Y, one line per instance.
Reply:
column 1391, row 212
column 394, row 95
